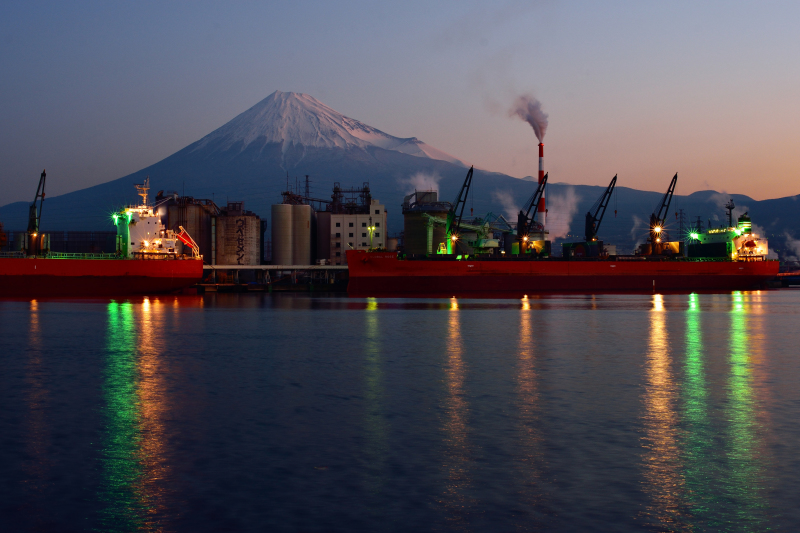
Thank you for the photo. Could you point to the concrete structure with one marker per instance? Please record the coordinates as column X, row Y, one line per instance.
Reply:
column 301, row 235
column 238, row 236
column 195, row 215
column 282, row 234
column 351, row 231
column 416, row 226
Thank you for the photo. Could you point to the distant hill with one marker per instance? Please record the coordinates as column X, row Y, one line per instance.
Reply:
column 294, row 134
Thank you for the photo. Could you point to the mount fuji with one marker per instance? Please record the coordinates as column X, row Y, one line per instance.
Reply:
column 255, row 156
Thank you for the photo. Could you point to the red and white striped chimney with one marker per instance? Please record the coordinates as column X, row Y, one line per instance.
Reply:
column 541, row 208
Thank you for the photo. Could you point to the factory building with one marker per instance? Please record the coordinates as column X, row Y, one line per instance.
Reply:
column 420, row 236
column 350, row 231
column 350, row 220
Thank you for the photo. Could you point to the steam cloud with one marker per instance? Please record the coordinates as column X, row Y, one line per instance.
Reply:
column 421, row 181
column 792, row 248
column 506, row 199
column 638, row 224
column 563, row 208
column 529, row 109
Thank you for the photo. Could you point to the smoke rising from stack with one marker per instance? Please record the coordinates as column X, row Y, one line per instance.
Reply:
column 506, row 199
column 529, row 109
column 562, row 208
column 421, row 181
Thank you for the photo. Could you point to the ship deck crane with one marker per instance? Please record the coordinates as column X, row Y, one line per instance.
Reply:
column 453, row 226
column 35, row 211
column 524, row 219
column 34, row 240
column 658, row 233
column 593, row 220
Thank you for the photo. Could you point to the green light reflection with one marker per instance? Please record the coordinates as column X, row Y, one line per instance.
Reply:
column 743, row 441
column 122, row 469
column 698, row 445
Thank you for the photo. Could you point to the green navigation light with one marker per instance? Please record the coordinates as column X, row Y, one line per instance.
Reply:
column 694, row 236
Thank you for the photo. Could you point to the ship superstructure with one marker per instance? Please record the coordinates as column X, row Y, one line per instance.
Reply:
column 739, row 242
column 140, row 232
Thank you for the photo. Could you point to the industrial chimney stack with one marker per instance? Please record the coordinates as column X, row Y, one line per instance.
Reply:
column 541, row 208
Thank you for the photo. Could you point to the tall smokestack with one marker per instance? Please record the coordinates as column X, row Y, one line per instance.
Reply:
column 530, row 110
column 541, row 208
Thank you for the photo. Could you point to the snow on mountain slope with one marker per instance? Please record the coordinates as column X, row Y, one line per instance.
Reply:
column 296, row 119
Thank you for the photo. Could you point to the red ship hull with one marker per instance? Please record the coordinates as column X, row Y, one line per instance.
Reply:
column 381, row 273
column 46, row 277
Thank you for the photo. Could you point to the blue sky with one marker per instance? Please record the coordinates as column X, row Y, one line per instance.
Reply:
column 96, row 90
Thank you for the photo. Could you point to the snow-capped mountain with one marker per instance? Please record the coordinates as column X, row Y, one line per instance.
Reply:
column 255, row 156
column 297, row 119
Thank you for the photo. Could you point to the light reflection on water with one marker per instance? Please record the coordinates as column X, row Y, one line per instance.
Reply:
column 131, row 457
column 527, row 389
column 455, row 425
column 374, row 423
column 37, row 397
column 684, row 406
column 663, row 478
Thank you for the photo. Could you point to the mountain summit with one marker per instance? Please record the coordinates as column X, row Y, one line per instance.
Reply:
column 299, row 120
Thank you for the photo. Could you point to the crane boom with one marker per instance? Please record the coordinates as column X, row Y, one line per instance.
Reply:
column 454, row 220
column 593, row 220
column 35, row 212
column 658, row 218
column 524, row 217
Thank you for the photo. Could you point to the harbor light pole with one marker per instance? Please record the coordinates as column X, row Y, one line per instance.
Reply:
column 371, row 229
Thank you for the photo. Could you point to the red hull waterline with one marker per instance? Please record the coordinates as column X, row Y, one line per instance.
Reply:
column 382, row 274
column 43, row 277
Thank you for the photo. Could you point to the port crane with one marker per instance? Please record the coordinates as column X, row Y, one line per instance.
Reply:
column 524, row 220
column 453, row 226
column 34, row 240
column 593, row 220
column 658, row 233
column 35, row 211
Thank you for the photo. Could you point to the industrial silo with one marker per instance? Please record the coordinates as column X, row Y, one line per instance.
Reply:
column 301, row 234
column 282, row 234
column 237, row 239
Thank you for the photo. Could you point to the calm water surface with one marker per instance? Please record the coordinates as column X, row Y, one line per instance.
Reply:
column 300, row 413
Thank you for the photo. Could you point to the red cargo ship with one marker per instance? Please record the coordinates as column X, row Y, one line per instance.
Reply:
column 24, row 277
column 383, row 273
column 732, row 258
column 148, row 259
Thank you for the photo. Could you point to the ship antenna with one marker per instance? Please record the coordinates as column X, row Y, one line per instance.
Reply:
column 143, row 189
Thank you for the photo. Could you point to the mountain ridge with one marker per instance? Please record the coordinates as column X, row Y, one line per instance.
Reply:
column 288, row 135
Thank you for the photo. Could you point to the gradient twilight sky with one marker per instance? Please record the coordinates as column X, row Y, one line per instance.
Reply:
column 93, row 91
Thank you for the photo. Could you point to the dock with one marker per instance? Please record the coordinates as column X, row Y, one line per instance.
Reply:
column 274, row 278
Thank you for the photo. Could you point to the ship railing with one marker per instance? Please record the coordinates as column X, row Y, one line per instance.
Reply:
column 151, row 256
column 12, row 254
column 65, row 255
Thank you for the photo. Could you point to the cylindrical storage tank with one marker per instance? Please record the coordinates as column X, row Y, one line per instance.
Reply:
column 282, row 235
column 415, row 229
column 237, row 240
column 301, row 234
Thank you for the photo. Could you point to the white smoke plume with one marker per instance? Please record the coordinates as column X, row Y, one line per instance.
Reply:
column 421, row 181
column 506, row 199
column 529, row 109
column 560, row 210
column 792, row 248
column 637, row 230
